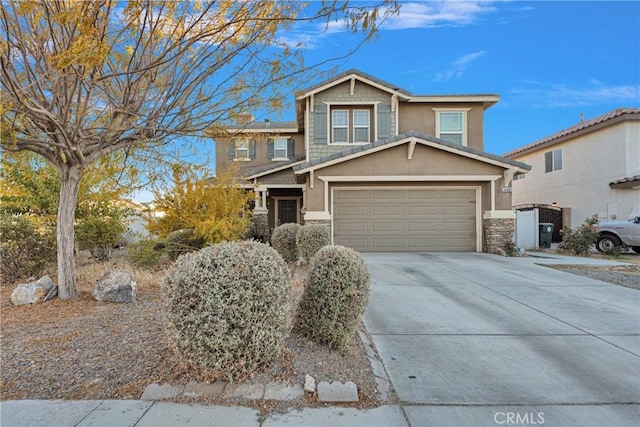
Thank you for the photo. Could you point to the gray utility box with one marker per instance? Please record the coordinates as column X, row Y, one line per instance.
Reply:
column 546, row 230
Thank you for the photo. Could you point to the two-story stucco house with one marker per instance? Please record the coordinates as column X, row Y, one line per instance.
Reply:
column 386, row 170
column 590, row 168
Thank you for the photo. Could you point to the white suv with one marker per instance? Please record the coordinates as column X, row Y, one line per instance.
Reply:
column 619, row 234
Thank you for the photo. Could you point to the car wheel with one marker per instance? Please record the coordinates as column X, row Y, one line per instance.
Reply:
column 607, row 242
column 636, row 249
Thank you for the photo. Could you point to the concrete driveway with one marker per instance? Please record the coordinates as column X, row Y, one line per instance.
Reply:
column 477, row 339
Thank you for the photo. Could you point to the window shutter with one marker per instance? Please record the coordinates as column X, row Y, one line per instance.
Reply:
column 290, row 144
column 252, row 149
column 384, row 121
column 320, row 124
column 270, row 153
column 232, row 150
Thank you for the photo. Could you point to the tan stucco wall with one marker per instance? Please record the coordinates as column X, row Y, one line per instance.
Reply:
column 425, row 161
column 589, row 163
column 422, row 118
column 222, row 152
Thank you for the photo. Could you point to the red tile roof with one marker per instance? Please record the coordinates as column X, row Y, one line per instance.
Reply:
column 600, row 120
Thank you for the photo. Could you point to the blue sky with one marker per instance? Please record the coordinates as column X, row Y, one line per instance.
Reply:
column 549, row 61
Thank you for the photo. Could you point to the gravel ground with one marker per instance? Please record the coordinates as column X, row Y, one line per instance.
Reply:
column 621, row 275
column 84, row 349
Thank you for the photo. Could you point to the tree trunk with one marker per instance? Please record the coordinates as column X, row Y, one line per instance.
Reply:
column 69, row 188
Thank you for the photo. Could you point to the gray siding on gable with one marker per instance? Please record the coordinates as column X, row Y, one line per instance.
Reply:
column 318, row 120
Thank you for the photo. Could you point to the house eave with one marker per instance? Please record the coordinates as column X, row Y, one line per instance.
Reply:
column 487, row 100
column 275, row 169
column 412, row 138
column 394, row 91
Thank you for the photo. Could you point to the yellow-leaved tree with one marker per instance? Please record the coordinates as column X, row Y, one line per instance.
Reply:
column 83, row 79
column 216, row 209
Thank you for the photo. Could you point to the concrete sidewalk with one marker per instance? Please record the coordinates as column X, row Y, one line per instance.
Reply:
column 139, row 413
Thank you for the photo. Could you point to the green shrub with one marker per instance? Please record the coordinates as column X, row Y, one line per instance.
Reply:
column 335, row 296
column 580, row 239
column 144, row 254
column 26, row 248
column 311, row 238
column 226, row 307
column 182, row 241
column 100, row 235
column 283, row 240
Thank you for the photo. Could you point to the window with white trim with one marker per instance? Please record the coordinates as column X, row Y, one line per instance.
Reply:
column 242, row 149
column 553, row 160
column 361, row 126
column 280, row 148
column 339, row 126
column 451, row 125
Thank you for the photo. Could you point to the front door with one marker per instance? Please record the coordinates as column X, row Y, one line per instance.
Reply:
column 287, row 211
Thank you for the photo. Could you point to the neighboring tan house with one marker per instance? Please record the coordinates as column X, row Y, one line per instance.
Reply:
column 386, row 170
column 590, row 168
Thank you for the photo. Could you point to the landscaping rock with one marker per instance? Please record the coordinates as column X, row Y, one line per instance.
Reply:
column 309, row 384
column 34, row 292
column 157, row 391
column 244, row 391
column 194, row 389
column 276, row 391
column 115, row 286
column 337, row 392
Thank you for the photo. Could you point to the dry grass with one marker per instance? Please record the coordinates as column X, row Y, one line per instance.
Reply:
column 85, row 349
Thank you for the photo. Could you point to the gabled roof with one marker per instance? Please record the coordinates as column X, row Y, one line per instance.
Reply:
column 266, row 126
column 269, row 169
column 607, row 119
column 352, row 74
column 487, row 99
column 408, row 137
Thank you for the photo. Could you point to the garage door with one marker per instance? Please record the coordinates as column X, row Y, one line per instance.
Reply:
column 403, row 219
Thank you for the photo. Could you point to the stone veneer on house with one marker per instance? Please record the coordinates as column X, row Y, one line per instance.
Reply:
column 497, row 231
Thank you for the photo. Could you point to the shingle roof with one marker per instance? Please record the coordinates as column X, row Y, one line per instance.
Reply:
column 381, row 143
column 348, row 73
column 378, row 81
column 266, row 125
column 595, row 123
column 264, row 170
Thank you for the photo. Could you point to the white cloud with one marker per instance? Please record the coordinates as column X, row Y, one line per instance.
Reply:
column 541, row 94
column 438, row 13
column 459, row 66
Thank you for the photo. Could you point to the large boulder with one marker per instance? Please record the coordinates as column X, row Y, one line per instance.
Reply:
column 34, row 292
column 115, row 286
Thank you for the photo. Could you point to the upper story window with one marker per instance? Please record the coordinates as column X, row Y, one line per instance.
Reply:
column 553, row 160
column 451, row 125
column 340, row 126
column 242, row 149
column 361, row 126
column 280, row 148
column 350, row 124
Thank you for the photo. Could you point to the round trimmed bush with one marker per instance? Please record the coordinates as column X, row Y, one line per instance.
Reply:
column 335, row 296
column 311, row 238
column 283, row 240
column 226, row 307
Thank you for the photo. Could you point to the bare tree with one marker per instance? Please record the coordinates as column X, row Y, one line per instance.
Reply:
column 83, row 79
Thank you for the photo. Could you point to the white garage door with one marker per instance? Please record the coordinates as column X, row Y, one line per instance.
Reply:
column 405, row 219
